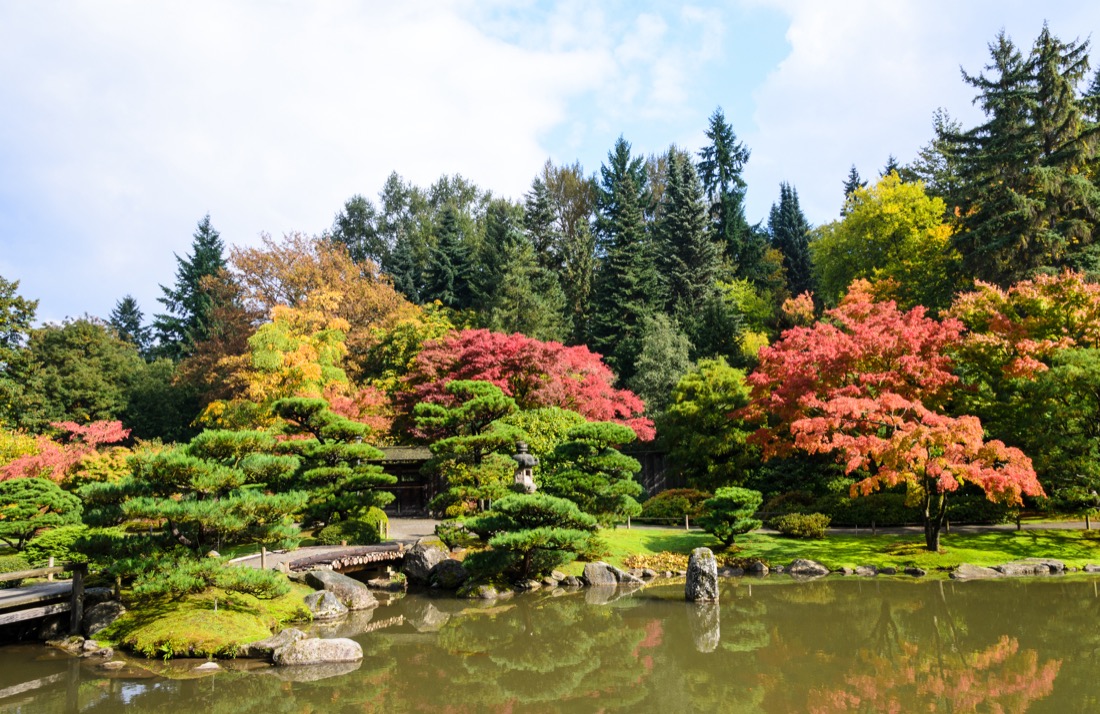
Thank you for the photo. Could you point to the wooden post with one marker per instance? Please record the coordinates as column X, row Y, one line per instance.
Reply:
column 947, row 524
column 50, row 576
column 263, row 558
column 1088, row 526
column 874, row 531
column 628, row 522
column 77, row 609
column 687, row 524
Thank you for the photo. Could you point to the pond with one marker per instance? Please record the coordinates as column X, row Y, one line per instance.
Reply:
column 773, row 645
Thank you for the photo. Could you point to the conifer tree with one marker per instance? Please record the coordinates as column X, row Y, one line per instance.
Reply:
column 852, row 183
column 126, row 319
column 188, row 303
column 449, row 272
column 790, row 234
column 539, row 224
column 892, row 166
column 688, row 258
column 720, row 166
column 403, row 269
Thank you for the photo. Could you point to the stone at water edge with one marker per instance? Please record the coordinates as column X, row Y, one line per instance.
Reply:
column 966, row 571
column 419, row 561
column 802, row 567
column 601, row 574
column 318, row 651
column 266, row 647
column 323, row 605
column 99, row 616
column 353, row 594
column 702, row 576
column 866, row 571
column 448, row 574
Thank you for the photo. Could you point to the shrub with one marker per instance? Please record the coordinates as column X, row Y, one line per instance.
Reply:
column 365, row 530
column 674, row 504
column 12, row 564
column 56, row 543
column 187, row 577
column 801, row 525
column 790, row 502
column 454, row 534
column 729, row 513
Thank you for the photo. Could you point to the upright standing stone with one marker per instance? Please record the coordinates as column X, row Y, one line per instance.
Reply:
column 702, row 576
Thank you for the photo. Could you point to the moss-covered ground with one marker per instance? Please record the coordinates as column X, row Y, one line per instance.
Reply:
column 210, row 624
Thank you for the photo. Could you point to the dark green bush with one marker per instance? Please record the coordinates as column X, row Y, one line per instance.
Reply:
column 976, row 508
column 187, row 576
column 674, row 504
column 453, row 533
column 801, row 525
column 12, row 564
column 790, row 502
column 882, row 509
column 365, row 530
column 56, row 543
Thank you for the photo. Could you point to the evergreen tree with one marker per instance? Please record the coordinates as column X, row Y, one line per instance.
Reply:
column 539, row 223
column 573, row 200
column 591, row 472
column 689, row 260
column 1027, row 203
column 891, row 166
column 626, row 286
column 852, row 183
column 188, row 303
column 355, row 229
column 16, row 317
column 449, row 271
column 403, row 270
column 498, row 247
column 937, row 163
column 126, row 319
column 720, row 167
column 790, row 235
column 663, row 360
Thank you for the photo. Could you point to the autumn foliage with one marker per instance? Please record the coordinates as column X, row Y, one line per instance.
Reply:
column 58, row 458
column 534, row 373
column 869, row 385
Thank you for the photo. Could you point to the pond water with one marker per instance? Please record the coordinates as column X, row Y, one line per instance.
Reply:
column 773, row 645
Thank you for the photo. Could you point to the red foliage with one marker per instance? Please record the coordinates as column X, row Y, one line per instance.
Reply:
column 367, row 405
column 869, row 386
column 534, row 373
column 57, row 457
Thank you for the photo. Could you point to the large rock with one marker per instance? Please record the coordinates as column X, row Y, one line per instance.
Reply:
column 866, row 571
column 600, row 574
column 353, row 594
column 803, row 568
column 702, row 576
column 323, row 605
column 966, row 571
column 100, row 616
column 448, row 575
column 388, row 585
column 757, row 568
column 265, row 648
column 1092, row 568
column 419, row 561
column 1031, row 566
column 317, row 651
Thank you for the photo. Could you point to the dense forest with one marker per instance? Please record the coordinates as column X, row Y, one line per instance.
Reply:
column 940, row 335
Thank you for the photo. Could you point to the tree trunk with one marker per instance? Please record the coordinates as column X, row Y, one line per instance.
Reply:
column 935, row 509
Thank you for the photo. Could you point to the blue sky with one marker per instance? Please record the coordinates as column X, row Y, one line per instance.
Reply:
column 123, row 123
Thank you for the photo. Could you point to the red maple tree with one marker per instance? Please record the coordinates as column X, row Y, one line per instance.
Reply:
column 868, row 384
column 534, row 373
column 58, row 457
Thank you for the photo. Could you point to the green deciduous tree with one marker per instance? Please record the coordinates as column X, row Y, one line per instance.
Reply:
column 16, row 317
column 664, row 358
column 354, row 227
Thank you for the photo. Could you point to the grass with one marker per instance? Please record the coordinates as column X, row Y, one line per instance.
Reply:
column 191, row 627
column 1074, row 547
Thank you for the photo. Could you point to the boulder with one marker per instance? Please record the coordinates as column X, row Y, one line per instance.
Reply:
column 447, row 574
column 323, row 605
column 702, row 576
column 757, row 568
column 263, row 649
column 351, row 593
column 557, row 575
column 916, row 572
column 571, row 581
column 730, row 572
column 1031, row 566
column 966, row 571
column 529, row 585
column 419, row 561
column 1091, row 568
column 99, row 616
column 113, row 665
column 317, row 651
column 208, row 667
column 483, row 591
column 866, row 571
column 888, row 570
column 601, row 574
column 801, row 567
column 549, row 582
column 91, row 648
column 846, row 571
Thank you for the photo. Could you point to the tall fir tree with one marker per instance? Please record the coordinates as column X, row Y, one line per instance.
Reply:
column 626, row 288
column 852, row 183
column 892, row 165
column 790, row 235
column 539, row 224
column 1027, row 202
column 937, row 163
column 721, row 164
column 126, row 319
column 188, row 303
column 687, row 256
column 449, row 274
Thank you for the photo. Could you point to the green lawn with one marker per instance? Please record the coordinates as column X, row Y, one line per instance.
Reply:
column 1075, row 547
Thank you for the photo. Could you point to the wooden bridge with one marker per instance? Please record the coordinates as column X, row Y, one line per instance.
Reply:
column 346, row 559
column 44, row 599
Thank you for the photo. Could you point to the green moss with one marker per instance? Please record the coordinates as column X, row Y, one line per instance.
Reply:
column 192, row 627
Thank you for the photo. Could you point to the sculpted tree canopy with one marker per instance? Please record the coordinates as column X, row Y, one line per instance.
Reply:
column 534, row 373
column 869, row 385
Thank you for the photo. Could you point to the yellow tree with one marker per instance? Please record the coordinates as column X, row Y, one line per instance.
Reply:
column 893, row 235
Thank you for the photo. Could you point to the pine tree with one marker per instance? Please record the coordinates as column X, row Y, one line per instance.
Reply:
column 188, row 304
column 891, row 166
column 720, row 167
column 126, row 319
column 688, row 258
column 626, row 286
column 402, row 268
column 852, row 183
column 937, row 163
column 449, row 272
column 539, row 223
column 790, row 234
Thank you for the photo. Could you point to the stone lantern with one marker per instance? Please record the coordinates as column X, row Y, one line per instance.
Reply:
column 525, row 469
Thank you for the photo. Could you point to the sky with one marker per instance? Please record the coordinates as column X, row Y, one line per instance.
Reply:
column 124, row 122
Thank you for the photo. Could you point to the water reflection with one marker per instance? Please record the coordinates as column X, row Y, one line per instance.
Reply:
column 775, row 646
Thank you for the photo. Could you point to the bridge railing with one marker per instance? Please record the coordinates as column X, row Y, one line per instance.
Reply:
column 75, row 606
